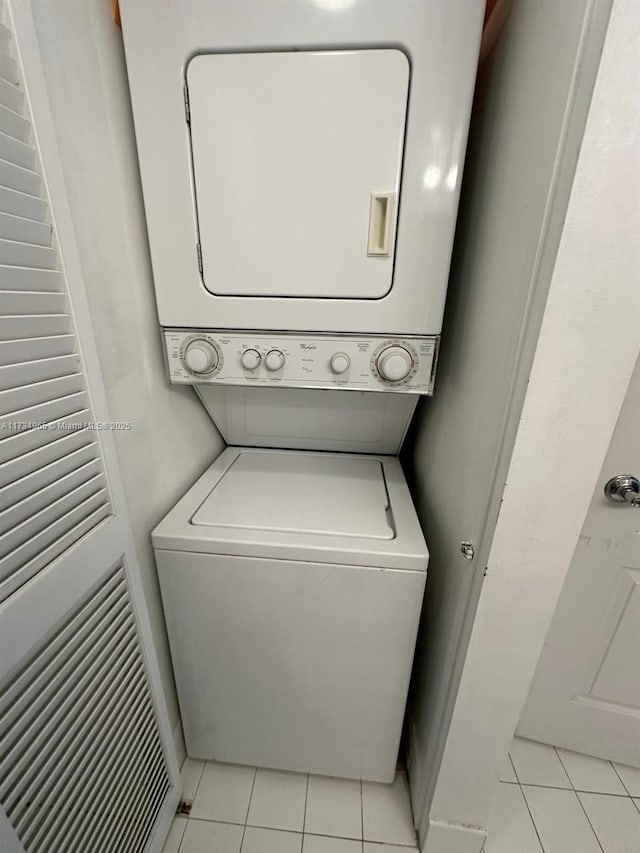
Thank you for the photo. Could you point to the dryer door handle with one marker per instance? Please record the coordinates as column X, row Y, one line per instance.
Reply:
column 382, row 211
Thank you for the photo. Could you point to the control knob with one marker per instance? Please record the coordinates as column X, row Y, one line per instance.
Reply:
column 274, row 359
column 200, row 356
column 340, row 362
column 394, row 363
column 250, row 359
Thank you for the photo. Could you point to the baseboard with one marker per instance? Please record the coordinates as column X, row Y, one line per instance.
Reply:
column 178, row 744
column 443, row 837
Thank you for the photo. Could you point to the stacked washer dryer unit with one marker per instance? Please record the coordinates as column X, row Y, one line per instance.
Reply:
column 301, row 162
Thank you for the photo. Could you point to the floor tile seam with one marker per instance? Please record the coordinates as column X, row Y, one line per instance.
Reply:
column 624, row 784
column 566, row 772
column 204, row 765
column 575, row 790
column 306, row 800
column 597, row 837
column 362, row 815
column 246, row 817
column 531, row 817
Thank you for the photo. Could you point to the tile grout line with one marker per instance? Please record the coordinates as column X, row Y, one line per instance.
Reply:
column 566, row 772
column 622, row 782
column 246, row 817
column 195, row 793
column 304, row 816
column 361, row 819
column 528, row 807
column 595, row 834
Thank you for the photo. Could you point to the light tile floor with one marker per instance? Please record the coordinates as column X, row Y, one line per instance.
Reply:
column 244, row 810
column 555, row 801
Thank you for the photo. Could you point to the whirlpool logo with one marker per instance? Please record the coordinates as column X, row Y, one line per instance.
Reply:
column 308, row 347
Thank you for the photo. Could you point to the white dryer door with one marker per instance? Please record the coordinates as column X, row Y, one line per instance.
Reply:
column 297, row 159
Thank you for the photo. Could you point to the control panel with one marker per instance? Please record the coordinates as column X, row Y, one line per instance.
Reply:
column 297, row 360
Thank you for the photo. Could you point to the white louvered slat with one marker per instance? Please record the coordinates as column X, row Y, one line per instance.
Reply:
column 28, row 230
column 5, row 38
column 23, row 452
column 20, row 204
column 79, row 727
column 21, row 489
column 68, row 825
column 100, row 768
column 8, row 68
column 22, row 742
column 14, row 375
column 62, row 786
column 133, row 759
column 18, row 302
column 30, row 279
column 36, row 740
column 14, row 151
column 142, row 768
column 69, row 529
column 79, row 751
column 13, row 352
column 19, row 254
column 14, row 124
column 27, row 686
column 21, row 542
column 11, row 96
column 22, row 510
column 18, row 401
column 52, row 418
column 37, row 325
column 20, row 179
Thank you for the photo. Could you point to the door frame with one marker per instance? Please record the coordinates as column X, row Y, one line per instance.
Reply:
column 589, row 327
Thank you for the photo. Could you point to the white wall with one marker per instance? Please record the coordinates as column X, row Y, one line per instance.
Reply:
column 528, row 118
column 172, row 439
column 585, row 356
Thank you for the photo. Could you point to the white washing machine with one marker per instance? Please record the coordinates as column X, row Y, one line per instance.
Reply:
column 292, row 584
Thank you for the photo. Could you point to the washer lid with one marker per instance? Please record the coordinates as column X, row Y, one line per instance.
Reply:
column 300, row 493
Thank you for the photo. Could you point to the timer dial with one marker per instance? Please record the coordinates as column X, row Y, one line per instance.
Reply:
column 200, row 356
column 394, row 363
column 250, row 359
column 274, row 359
column 340, row 362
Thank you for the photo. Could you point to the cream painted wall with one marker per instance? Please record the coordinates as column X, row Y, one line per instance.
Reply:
column 529, row 113
column 172, row 439
column 585, row 356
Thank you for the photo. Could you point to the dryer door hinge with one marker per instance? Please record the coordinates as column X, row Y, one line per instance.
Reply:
column 199, row 253
column 187, row 109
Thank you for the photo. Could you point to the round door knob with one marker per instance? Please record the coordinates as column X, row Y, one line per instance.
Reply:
column 250, row 359
column 274, row 359
column 625, row 488
column 200, row 357
column 394, row 363
column 340, row 362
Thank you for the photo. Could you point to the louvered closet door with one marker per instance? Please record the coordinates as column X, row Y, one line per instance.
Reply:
column 86, row 763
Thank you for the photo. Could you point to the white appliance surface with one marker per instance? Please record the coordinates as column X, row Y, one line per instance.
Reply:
column 283, row 658
column 330, row 496
column 288, row 149
column 322, row 159
column 347, row 544
column 306, row 419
